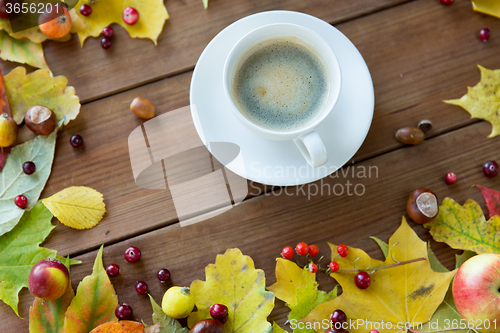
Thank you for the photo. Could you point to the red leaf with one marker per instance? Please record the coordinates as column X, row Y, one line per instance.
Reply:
column 492, row 199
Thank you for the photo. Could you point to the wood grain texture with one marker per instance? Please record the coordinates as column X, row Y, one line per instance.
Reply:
column 132, row 62
column 262, row 226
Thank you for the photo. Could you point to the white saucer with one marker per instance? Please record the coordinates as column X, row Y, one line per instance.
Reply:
column 280, row 162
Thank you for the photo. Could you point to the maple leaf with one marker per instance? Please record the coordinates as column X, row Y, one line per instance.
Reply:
column 490, row 7
column 77, row 207
column 22, row 51
column 234, row 282
column 401, row 295
column 465, row 228
column 492, row 199
column 25, row 90
column 482, row 101
column 165, row 323
column 152, row 16
column 94, row 303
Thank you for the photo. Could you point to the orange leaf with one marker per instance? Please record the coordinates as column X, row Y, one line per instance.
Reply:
column 124, row 326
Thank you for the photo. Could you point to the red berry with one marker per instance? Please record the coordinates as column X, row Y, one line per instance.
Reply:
column 447, row 2
column 490, row 169
column 76, row 141
column 123, row 311
column 130, row 15
column 21, row 201
column 219, row 312
column 374, row 331
column 141, row 287
column 484, row 34
column 29, row 168
column 334, row 266
column 85, row 10
column 287, row 252
column 108, row 32
column 302, row 249
column 132, row 254
column 113, row 270
column 362, row 280
column 106, row 43
column 313, row 250
column 313, row 268
column 338, row 316
column 163, row 275
column 342, row 250
column 450, row 178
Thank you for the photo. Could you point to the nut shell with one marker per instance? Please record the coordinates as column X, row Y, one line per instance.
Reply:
column 422, row 205
column 40, row 120
column 410, row 135
column 207, row 326
column 143, row 108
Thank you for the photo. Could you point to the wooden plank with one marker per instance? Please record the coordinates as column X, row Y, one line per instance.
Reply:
column 262, row 226
column 131, row 62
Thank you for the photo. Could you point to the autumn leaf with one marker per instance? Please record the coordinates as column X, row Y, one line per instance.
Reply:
column 167, row 324
column 152, row 16
column 22, row 51
column 13, row 181
column 490, row 7
column 465, row 228
column 95, row 301
column 20, row 250
column 492, row 199
column 32, row 34
column 25, row 90
column 47, row 316
column 482, row 101
column 123, row 326
column 4, row 108
column 77, row 207
column 234, row 282
column 205, row 4
column 405, row 294
column 383, row 245
column 278, row 329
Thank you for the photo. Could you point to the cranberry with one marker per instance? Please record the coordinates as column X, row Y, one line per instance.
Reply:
column 141, row 287
column 132, row 254
column 163, row 275
column 108, row 32
column 76, row 141
column 490, row 169
column 362, row 280
column 338, row 317
column 450, row 178
column 106, row 43
column 29, row 168
column 219, row 312
column 130, row 15
column 446, row 2
column 484, row 34
column 123, row 311
column 113, row 270
column 85, row 10
column 21, row 201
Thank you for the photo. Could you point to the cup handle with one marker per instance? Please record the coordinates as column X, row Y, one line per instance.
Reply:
column 312, row 148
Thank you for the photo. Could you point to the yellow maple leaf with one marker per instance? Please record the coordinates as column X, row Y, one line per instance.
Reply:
column 398, row 296
column 490, row 7
column 234, row 282
column 483, row 101
column 77, row 207
column 152, row 17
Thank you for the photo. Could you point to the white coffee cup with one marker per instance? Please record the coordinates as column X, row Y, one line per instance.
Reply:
column 306, row 138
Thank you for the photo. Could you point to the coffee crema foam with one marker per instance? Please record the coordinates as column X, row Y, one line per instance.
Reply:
column 281, row 85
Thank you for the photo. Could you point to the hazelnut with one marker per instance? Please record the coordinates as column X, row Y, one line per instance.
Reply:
column 422, row 205
column 410, row 135
column 143, row 108
column 40, row 120
column 207, row 326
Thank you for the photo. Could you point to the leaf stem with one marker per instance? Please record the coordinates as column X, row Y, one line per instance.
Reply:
column 401, row 263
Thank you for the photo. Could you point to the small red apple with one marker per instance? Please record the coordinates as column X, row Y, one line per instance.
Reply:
column 56, row 23
column 476, row 291
column 130, row 15
column 48, row 279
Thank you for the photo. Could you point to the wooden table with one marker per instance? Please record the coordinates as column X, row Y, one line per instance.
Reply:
column 419, row 52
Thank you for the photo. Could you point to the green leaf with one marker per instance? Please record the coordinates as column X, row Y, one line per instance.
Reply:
column 465, row 228
column 25, row 90
column 32, row 34
column 234, row 282
column 47, row 316
column 20, row 250
column 436, row 265
column 383, row 245
column 461, row 258
column 277, row 328
column 167, row 324
column 13, row 181
column 205, row 4
column 95, row 301
column 22, row 51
